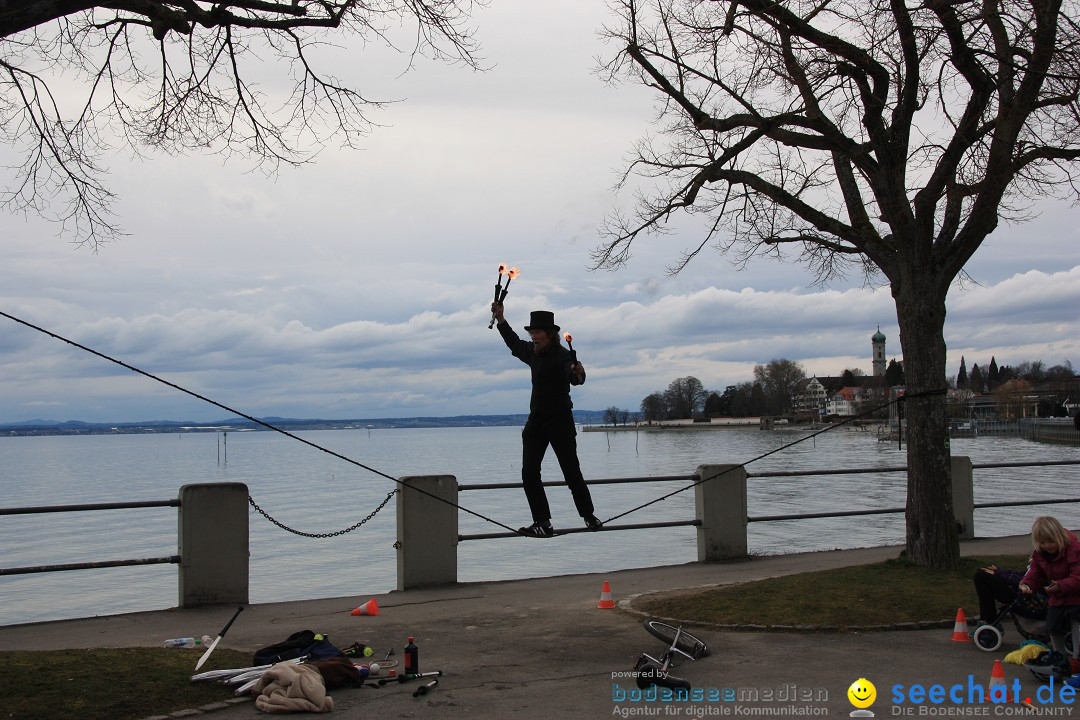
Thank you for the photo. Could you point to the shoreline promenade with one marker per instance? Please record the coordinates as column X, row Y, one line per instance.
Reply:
column 540, row 648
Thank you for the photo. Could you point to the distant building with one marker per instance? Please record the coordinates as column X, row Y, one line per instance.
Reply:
column 830, row 395
column 877, row 344
column 1056, row 397
column 847, row 401
column 810, row 397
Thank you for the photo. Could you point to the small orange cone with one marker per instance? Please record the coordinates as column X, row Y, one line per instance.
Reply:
column 960, row 629
column 369, row 608
column 606, row 603
column 997, row 675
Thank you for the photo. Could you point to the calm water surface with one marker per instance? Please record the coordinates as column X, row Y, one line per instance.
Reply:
column 314, row 492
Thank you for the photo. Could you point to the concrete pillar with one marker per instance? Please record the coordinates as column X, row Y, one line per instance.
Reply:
column 427, row 531
column 213, row 544
column 721, row 509
column 963, row 497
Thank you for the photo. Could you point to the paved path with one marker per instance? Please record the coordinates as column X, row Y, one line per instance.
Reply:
column 540, row 648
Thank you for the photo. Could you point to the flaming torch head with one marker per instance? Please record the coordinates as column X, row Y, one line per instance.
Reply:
column 498, row 285
column 570, row 345
column 510, row 275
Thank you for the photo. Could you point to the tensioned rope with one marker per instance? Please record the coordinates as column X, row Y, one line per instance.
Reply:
column 357, row 463
column 871, row 411
column 268, row 426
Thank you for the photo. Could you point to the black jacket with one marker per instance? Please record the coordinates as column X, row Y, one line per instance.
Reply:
column 551, row 377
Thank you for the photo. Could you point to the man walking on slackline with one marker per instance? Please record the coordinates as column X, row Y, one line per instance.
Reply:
column 551, row 417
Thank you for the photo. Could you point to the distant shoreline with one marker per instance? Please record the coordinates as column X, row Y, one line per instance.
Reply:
column 678, row 425
column 724, row 424
column 76, row 427
column 587, row 420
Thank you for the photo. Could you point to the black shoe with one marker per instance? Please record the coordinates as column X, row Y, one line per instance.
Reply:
column 593, row 523
column 538, row 529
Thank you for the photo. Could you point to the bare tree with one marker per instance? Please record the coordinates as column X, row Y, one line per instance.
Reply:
column 684, row 397
column 1013, row 399
column 653, row 407
column 887, row 138
column 778, row 378
column 77, row 78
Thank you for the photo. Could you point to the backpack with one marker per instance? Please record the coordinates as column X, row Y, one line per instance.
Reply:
column 299, row 644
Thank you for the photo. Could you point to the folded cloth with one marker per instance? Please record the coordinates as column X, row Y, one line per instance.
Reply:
column 1025, row 653
column 286, row 687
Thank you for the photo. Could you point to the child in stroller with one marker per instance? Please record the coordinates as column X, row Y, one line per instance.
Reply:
column 1028, row 614
column 995, row 585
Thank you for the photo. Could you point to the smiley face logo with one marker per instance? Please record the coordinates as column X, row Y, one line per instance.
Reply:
column 862, row 693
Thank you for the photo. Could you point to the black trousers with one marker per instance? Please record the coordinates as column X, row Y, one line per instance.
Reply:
column 1059, row 619
column 990, row 588
column 559, row 432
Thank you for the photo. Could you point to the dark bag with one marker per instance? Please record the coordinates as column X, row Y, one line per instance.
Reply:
column 338, row 672
column 299, row 644
column 287, row 649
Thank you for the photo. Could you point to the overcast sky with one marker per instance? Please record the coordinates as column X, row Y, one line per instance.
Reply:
column 359, row 287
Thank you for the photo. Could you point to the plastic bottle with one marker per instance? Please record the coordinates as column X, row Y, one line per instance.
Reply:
column 188, row 642
column 412, row 658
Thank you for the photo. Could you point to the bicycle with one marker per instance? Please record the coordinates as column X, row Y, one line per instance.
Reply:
column 656, row 671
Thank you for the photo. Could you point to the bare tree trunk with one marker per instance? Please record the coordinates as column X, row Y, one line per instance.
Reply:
column 932, row 539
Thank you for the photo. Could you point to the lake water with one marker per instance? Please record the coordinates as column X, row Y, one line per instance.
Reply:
column 314, row 492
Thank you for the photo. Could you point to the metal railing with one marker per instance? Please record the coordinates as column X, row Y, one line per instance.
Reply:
column 773, row 474
column 887, row 511
column 212, row 540
column 215, row 568
column 169, row 559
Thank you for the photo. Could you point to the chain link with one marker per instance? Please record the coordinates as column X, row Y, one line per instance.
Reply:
column 374, row 512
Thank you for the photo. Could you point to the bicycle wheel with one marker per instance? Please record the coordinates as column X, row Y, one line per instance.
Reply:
column 688, row 644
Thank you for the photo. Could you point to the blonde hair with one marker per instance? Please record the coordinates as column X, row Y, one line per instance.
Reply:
column 1047, row 529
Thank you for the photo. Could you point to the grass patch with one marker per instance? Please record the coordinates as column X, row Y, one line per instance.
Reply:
column 885, row 593
column 109, row 684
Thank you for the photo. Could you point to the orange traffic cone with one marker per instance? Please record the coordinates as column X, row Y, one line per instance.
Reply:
column 960, row 629
column 606, row 602
column 369, row 608
column 998, row 691
column 997, row 675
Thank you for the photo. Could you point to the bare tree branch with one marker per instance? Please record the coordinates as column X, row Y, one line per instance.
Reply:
column 181, row 75
column 881, row 135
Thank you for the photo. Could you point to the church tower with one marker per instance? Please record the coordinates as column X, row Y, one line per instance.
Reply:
column 877, row 341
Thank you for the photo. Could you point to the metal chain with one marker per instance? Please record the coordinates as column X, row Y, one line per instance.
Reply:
column 374, row 512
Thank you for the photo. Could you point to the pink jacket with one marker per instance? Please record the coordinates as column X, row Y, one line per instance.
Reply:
column 1063, row 566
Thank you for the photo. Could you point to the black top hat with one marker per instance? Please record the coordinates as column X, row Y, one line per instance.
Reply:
column 541, row 320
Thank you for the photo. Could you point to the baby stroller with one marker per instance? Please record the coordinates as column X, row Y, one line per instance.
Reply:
column 1028, row 613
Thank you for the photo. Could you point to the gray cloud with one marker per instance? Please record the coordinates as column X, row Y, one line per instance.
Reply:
column 449, row 363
